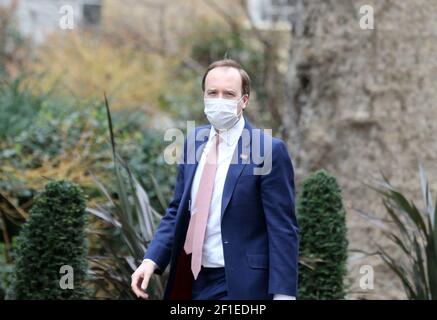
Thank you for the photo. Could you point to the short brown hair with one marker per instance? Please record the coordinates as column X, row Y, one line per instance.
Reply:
column 245, row 79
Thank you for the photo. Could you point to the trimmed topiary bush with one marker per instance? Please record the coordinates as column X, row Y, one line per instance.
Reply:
column 323, row 242
column 54, row 236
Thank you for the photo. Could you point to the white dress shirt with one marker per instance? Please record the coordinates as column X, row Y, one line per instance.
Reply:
column 212, row 253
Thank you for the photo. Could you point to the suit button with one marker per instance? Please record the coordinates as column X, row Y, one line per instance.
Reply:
column 225, row 242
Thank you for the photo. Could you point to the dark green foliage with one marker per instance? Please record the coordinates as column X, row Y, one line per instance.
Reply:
column 52, row 127
column 144, row 148
column 18, row 108
column 134, row 222
column 5, row 271
column 413, row 231
column 148, row 161
column 323, row 242
column 53, row 236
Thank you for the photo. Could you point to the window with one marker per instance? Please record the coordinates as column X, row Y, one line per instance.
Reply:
column 272, row 14
column 91, row 14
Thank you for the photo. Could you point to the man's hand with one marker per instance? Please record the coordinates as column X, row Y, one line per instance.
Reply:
column 140, row 279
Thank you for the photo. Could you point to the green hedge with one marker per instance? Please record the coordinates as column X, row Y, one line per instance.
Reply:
column 53, row 236
column 323, row 242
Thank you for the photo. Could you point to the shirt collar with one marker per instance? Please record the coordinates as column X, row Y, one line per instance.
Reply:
column 230, row 136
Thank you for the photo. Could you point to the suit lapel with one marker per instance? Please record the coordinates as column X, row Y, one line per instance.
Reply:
column 240, row 158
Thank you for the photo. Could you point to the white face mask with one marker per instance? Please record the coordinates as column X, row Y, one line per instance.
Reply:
column 222, row 113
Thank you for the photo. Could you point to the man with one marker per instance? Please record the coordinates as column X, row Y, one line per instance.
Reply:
column 230, row 231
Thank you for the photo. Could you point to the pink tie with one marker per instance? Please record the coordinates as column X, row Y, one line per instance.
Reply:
column 199, row 215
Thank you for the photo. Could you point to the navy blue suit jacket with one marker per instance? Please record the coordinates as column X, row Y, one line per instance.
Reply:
column 258, row 222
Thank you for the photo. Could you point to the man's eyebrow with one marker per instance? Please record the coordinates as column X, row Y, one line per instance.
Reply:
column 230, row 90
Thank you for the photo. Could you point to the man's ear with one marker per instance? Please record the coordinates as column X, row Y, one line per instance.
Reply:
column 245, row 100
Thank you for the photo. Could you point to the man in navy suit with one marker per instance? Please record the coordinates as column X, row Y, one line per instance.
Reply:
column 230, row 231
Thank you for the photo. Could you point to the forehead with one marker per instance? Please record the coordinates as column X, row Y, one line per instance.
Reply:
column 221, row 77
